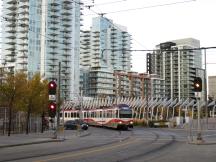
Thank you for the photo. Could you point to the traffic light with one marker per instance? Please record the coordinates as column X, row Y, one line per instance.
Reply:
column 197, row 84
column 52, row 109
column 52, row 87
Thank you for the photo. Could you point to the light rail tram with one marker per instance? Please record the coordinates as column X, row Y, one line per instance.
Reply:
column 117, row 116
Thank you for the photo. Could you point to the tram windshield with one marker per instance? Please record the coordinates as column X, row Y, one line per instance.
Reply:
column 125, row 114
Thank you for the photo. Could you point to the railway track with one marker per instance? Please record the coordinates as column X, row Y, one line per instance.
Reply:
column 124, row 147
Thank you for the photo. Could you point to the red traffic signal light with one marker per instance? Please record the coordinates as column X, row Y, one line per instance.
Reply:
column 52, row 109
column 52, row 106
column 197, row 84
column 52, row 87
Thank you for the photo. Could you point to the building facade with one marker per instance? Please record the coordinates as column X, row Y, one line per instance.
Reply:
column 43, row 36
column 212, row 87
column 133, row 84
column 176, row 63
column 104, row 48
column 157, row 86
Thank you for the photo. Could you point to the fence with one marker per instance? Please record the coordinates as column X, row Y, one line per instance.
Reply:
column 18, row 123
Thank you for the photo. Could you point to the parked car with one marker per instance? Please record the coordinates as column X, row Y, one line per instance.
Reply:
column 76, row 124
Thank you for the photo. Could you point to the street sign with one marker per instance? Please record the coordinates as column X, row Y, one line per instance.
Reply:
column 197, row 94
column 52, row 97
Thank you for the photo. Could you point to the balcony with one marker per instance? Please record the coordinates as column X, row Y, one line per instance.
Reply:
column 11, row 7
column 22, row 35
column 24, row 18
column 24, row 5
column 53, row 45
column 10, row 42
column 66, row 36
column 23, row 42
column 23, row 56
column 67, row 7
column 54, row 3
column 66, row 24
column 53, row 27
column 12, row 2
column 23, row 11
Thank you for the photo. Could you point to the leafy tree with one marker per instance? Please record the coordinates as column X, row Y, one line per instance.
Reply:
column 34, row 99
column 44, row 103
column 18, row 93
column 11, row 91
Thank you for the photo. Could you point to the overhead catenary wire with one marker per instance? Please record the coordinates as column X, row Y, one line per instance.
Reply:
column 163, row 50
column 147, row 7
column 159, row 5
column 109, row 3
column 102, row 14
column 99, row 14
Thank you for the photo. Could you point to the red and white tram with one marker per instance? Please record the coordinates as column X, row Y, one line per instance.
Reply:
column 117, row 116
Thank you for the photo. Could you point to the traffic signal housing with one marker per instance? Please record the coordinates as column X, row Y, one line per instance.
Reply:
column 197, row 84
column 52, row 87
column 52, row 109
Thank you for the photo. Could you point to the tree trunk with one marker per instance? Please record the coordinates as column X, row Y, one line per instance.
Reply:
column 28, row 118
column 10, row 114
column 42, row 122
column 10, row 120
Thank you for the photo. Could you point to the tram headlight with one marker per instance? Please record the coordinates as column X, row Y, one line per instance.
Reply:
column 131, row 122
column 120, row 122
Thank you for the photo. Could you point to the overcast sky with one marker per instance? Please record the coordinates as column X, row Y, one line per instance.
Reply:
column 151, row 22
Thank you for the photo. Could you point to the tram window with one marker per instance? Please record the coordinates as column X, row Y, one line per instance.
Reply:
column 109, row 114
column 60, row 115
column 78, row 115
column 104, row 113
column 114, row 114
column 97, row 114
column 100, row 114
column 71, row 115
column 125, row 114
column 66, row 115
column 117, row 114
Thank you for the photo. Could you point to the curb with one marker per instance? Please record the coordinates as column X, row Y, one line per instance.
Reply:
column 30, row 143
column 202, row 143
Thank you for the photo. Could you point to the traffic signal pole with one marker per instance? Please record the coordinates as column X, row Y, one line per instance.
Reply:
column 199, row 134
column 55, row 101
column 58, row 100
column 198, row 90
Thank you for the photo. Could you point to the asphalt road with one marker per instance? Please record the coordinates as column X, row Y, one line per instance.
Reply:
column 106, row 145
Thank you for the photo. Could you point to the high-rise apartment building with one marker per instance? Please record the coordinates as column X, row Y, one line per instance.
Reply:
column 177, row 63
column 43, row 36
column 104, row 48
column 106, row 45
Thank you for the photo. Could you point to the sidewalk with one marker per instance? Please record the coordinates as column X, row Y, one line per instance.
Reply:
column 35, row 138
